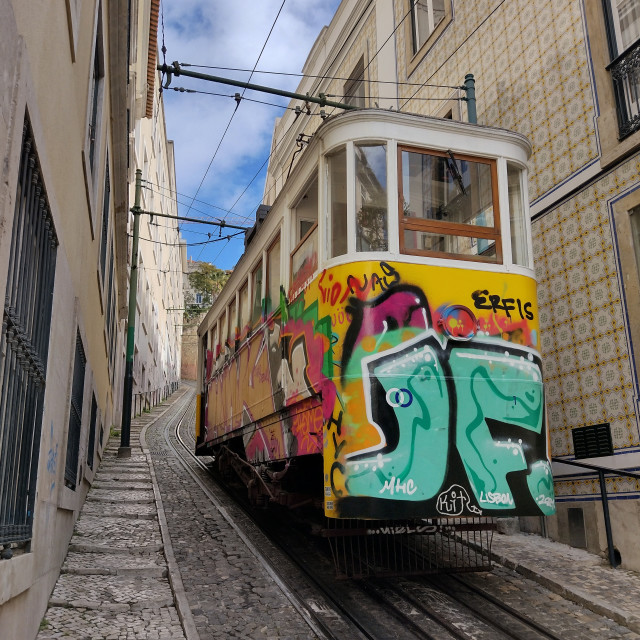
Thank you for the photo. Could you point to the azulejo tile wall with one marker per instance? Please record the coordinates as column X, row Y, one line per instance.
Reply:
column 585, row 349
column 529, row 59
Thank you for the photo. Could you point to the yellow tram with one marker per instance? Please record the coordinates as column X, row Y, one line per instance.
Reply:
column 376, row 349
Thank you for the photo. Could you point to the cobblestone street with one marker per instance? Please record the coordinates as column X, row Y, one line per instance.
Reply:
column 152, row 556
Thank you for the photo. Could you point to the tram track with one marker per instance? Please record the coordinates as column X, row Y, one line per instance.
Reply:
column 439, row 607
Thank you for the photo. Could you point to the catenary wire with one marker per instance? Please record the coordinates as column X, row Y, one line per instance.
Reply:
column 404, row 104
column 325, row 77
column 238, row 104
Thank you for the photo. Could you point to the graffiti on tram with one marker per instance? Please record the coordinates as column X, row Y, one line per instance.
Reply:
column 419, row 384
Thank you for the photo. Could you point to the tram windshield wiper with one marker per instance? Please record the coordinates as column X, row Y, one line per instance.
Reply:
column 452, row 165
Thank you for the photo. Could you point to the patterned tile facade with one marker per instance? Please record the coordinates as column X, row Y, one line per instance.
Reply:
column 529, row 58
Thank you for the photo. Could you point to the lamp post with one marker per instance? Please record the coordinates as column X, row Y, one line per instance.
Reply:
column 124, row 451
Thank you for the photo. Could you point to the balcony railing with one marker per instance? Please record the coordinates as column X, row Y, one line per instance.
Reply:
column 625, row 73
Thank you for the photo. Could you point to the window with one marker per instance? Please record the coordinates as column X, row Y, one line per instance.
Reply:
column 337, row 168
column 105, row 222
column 111, row 317
column 449, row 206
column 256, row 288
column 623, row 28
column 354, row 86
column 273, row 277
column 92, row 432
column 231, row 325
column 304, row 257
column 75, row 416
column 519, row 248
column 371, row 197
column 95, row 93
column 198, row 298
column 24, row 342
column 426, row 15
column 243, row 310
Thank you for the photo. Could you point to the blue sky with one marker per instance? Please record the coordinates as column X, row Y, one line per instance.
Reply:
column 220, row 33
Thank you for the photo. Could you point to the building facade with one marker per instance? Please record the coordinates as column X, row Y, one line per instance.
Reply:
column 565, row 74
column 67, row 113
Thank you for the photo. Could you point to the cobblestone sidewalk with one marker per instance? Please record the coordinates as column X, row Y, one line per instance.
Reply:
column 114, row 583
column 574, row 574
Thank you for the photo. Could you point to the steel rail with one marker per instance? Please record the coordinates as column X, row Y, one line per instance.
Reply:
column 543, row 631
column 316, row 625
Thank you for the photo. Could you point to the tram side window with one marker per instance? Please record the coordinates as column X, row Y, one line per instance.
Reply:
column 243, row 310
column 449, row 206
column 273, row 277
column 256, row 288
column 231, row 326
column 337, row 165
column 519, row 249
column 304, row 257
column 371, row 197
column 214, row 340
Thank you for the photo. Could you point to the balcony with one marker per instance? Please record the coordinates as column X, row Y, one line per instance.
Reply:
column 625, row 73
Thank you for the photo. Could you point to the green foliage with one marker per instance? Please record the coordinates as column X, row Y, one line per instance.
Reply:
column 207, row 280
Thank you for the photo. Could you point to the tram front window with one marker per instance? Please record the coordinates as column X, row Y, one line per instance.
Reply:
column 449, row 206
column 371, row 197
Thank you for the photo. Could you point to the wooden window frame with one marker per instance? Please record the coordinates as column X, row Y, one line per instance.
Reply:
column 451, row 228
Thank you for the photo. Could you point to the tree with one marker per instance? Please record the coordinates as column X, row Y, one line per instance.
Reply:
column 206, row 282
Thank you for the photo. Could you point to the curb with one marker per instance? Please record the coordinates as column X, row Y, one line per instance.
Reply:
column 569, row 592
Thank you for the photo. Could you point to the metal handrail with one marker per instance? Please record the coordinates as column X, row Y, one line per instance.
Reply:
column 603, row 494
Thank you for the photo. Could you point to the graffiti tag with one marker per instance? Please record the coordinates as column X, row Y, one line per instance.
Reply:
column 453, row 501
column 495, row 498
column 394, row 485
column 334, row 293
column 483, row 300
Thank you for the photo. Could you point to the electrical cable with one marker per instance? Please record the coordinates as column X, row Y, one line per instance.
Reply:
column 191, row 244
column 308, row 75
column 238, row 103
column 452, row 53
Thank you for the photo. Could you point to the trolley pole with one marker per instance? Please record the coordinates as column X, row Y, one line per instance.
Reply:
column 470, row 99
column 124, row 450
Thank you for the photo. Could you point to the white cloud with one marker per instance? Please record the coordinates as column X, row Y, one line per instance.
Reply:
column 231, row 34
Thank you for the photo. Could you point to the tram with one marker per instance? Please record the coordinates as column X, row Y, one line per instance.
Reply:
column 376, row 350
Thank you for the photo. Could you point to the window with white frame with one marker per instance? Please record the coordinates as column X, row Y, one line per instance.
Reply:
column 354, row 86
column 426, row 15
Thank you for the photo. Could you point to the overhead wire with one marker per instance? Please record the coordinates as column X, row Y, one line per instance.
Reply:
column 325, row 77
column 192, row 244
column 404, row 104
column 238, row 104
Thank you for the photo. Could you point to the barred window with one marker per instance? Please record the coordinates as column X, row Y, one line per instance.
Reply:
column 92, row 432
column 75, row 416
column 24, row 344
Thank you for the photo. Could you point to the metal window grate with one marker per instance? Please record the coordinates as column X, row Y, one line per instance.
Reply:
column 92, row 432
column 75, row 416
column 24, row 345
column 592, row 441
